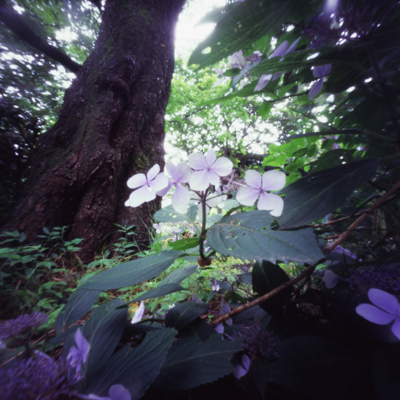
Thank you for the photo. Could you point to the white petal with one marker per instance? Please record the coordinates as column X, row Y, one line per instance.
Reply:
column 183, row 173
column 164, row 191
column 213, row 200
column 396, row 328
column 136, row 180
column 197, row 161
column 211, row 156
column 180, row 199
column 315, row 89
column 140, row 196
column 280, row 50
column 253, row 179
column 198, row 180
column 247, row 195
column 374, row 314
column 138, row 313
column 222, row 166
column 160, row 182
column 263, row 81
column 273, row 180
column 330, row 279
column 153, row 171
column 211, row 177
column 383, row 300
column 271, row 202
column 119, row 392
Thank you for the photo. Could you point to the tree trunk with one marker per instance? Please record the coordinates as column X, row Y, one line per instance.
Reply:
column 110, row 127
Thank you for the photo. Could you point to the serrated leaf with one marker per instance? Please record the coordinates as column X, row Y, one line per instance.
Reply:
column 179, row 275
column 159, row 291
column 132, row 272
column 184, row 244
column 183, row 314
column 134, row 369
column 191, row 363
column 77, row 306
column 247, row 236
column 316, row 195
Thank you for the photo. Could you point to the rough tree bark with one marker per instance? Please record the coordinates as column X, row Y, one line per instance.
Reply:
column 110, row 127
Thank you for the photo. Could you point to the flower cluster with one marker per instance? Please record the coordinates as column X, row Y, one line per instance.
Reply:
column 198, row 176
column 260, row 343
column 21, row 325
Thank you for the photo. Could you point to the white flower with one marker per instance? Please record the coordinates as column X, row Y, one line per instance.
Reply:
column 146, row 186
column 208, row 169
column 330, row 279
column 236, row 60
column 385, row 310
column 138, row 313
column 257, row 189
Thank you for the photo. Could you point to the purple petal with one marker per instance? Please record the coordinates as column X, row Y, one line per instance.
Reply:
column 82, row 344
column 280, row 50
column 271, row 202
column 374, row 314
column 239, row 372
column 396, row 328
column 197, row 161
column 153, row 171
column 322, row 70
column 140, row 196
column 330, row 279
column 383, row 300
column 315, row 88
column 179, row 173
column 253, row 179
column 118, row 392
column 222, row 166
column 273, row 180
column 138, row 314
column 210, row 156
column 292, row 47
column 198, row 180
column 263, row 81
column 220, row 328
column 136, row 180
column 246, row 361
column 277, row 75
column 164, row 191
column 180, row 199
column 159, row 183
column 247, row 196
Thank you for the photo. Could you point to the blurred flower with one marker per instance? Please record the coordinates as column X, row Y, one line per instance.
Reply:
column 208, row 169
column 330, row 279
column 243, row 368
column 259, row 343
column 138, row 313
column 236, row 60
column 24, row 323
column 319, row 72
column 215, row 286
column 77, row 356
column 116, row 392
column 385, row 310
column 257, row 188
column 146, row 186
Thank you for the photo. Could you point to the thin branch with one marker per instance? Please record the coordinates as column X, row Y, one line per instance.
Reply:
column 306, row 273
column 364, row 215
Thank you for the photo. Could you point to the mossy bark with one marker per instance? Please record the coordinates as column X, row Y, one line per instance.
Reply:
column 110, row 127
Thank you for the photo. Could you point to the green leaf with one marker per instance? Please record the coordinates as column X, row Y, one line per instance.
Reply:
column 135, row 369
column 183, row 314
column 77, row 306
column 266, row 277
column 316, row 195
column 132, row 272
column 247, row 236
column 184, row 244
column 191, row 363
column 179, row 275
column 318, row 367
column 159, row 291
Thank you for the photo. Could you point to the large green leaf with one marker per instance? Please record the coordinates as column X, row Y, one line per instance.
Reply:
column 248, row 236
column 184, row 244
column 242, row 25
column 160, row 290
column 191, row 363
column 316, row 195
column 77, row 306
column 135, row 369
column 132, row 272
column 183, row 314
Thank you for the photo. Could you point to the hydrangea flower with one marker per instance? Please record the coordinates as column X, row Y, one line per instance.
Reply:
column 138, row 314
column 78, row 354
column 386, row 309
column 243, row 368
column 319, row 72
column 257, row 189
column 146, row 186
column 212, row 200
column 236, row 60
column 208, row 169
column 116, row 392
column 24, row 323
column 178, row 174
column 330, row 279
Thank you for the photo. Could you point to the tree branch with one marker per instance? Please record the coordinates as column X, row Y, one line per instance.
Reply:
column 17, row 24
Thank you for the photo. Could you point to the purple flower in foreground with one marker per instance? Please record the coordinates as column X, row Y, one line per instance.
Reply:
column 243, row 368
column 208, row 169
column 116, row 392
column 146, row 186
column 319, row 72
column 78, row 354
column 385, row 310
column 138, row 313
column 22, row 324
column 257, row 189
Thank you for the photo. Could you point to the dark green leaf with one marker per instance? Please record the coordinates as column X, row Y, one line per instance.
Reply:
column 159, row 291
column 183, row 314
column 132, row 272
column 316, row 195
column 247, row 235
column 184, row 244
column 179, row 275
column 191, row 363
